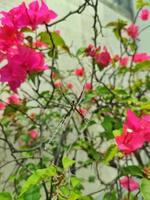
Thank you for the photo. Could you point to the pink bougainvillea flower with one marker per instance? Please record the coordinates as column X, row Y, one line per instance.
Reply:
column 140, row 57
column 129, row 141
column 33, row 134
column 103, row 58
column 2, row 106
column 133, row 31
column 32, row 16
column 58, row 84
column 9, row 37
column 132, row 138
column 87, row 86
column 145, row 127
column 144, row 14
column 14, row 99
column 129, row 183
column 70, row 85
column 16, row 17
column 124, row 61
column 40, row 14
column 90, row 50
column 14, row 75
column 132, row 121
column 24, row 61
column 83, row 111
column 79, row 71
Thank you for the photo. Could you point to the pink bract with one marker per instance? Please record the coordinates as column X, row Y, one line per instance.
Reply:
column 140, row 57
column 133, row 31
column 129, row 183
column 32, row 16
column 144, row 14
column 33, row 134
column 79, row 71
column 103, row 58
column 24, row 61
column 14, row 99
column 124, row 61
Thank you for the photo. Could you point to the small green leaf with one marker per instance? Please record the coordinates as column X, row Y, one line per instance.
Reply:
column 75, row 181
column 5, row 196
column 142, row 66
column 133, row 170
column 33, row 193
column 145, row 188
column 80, row 52
column 67, row 162
column 37, row 177
column 110, row 153
column 117, row 132
column 108, row 125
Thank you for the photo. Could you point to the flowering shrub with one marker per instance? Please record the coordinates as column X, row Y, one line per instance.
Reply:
column 56, row 123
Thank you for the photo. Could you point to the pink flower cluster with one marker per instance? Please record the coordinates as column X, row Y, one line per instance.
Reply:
column 102, row 57
column 129, row 183
column 137, row 58
column 144, row 14
column 133, row 31
column 136, row 131
column 31, row 16
column 21, row 59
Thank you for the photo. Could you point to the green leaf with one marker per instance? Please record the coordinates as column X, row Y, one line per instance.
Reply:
column 133, row 170
column 80, row 52
column 67, row 162
column 33, row 193
column 38, row 176
column 110, row 153
column 117, row 132
column 75, row 181
column 5, row 196
column 142, row 66
column 108, row 126
column 145, row 106
column 53, row 39
column 145, row 188
column 141, row 3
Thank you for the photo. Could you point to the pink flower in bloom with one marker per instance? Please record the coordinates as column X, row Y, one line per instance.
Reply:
column 9, row 37
column 129, row 141
column 144, row 14
column 103, row 58
column 140, row 57
column 24, row 61
column 87, row 86
column 90, row 50
column 16, row 17
column 2, row 106
column 14, row 99
column 69, row 85
column 145, row 127
column 33, row 134
column 124, row 61
column 132, row 138
column 40, row 14
column 79, row 71
column 22, row 16
column 129, row 183
column 58, row 84
column 133, row 31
